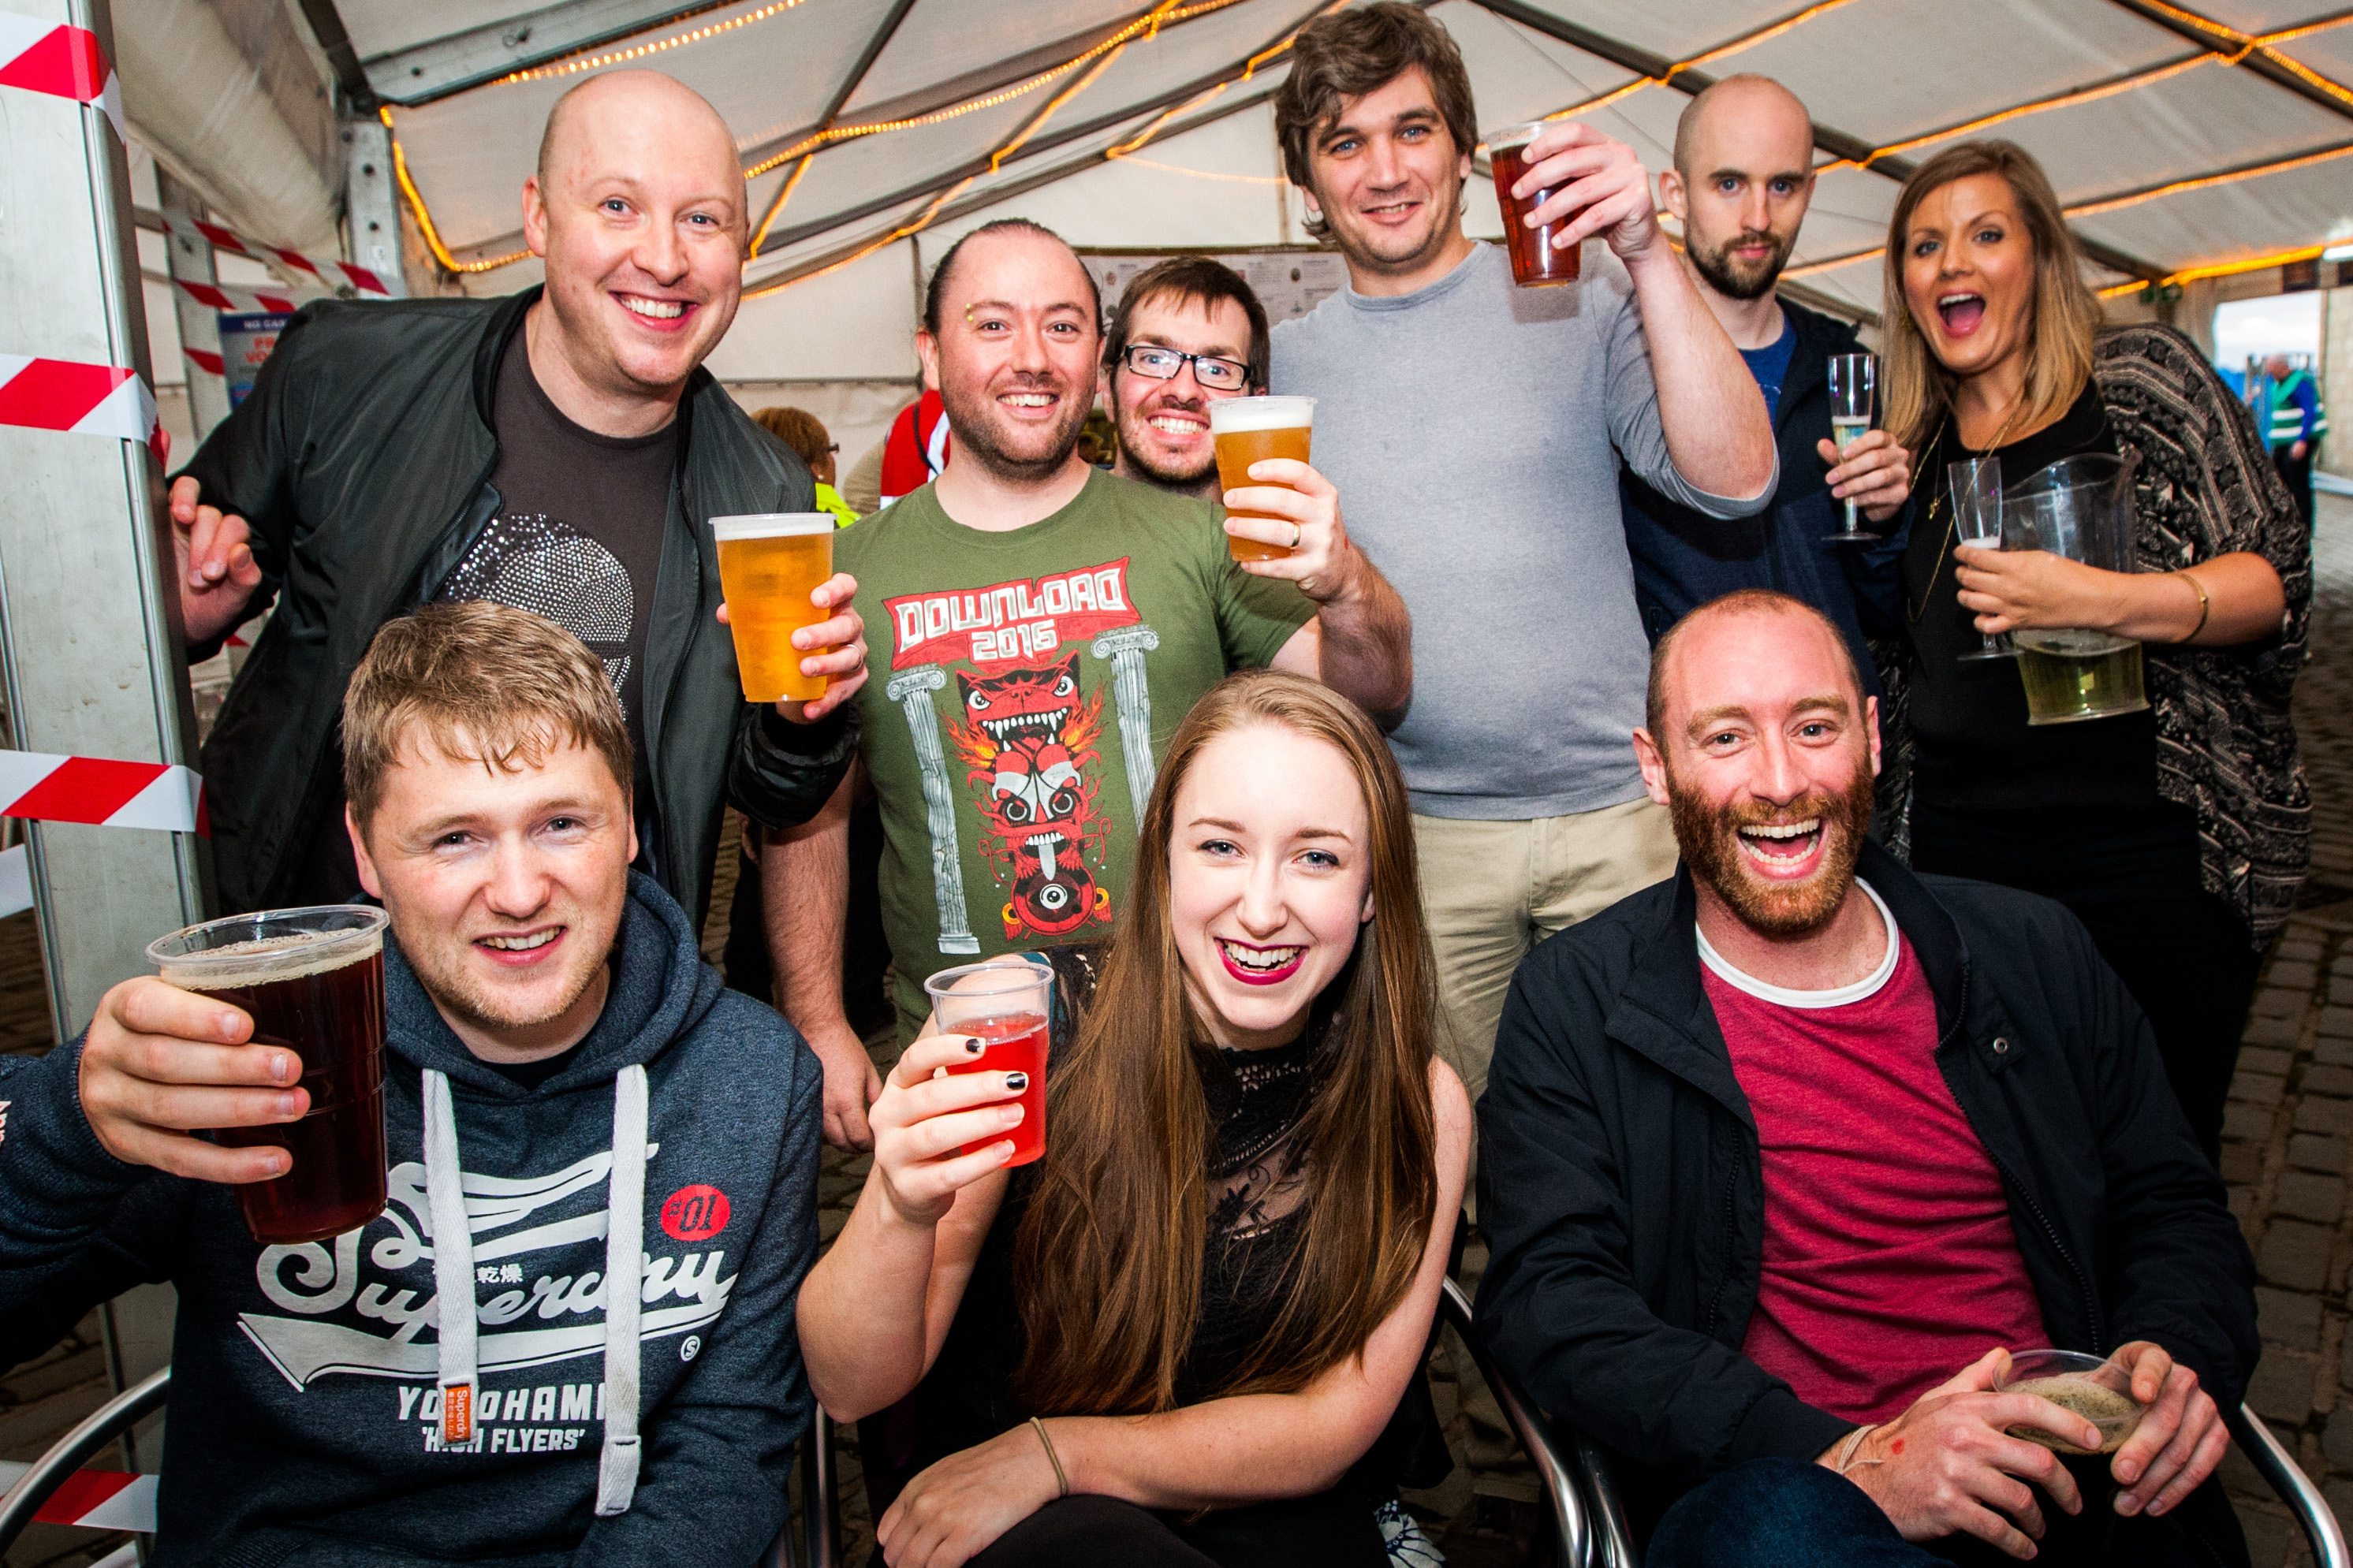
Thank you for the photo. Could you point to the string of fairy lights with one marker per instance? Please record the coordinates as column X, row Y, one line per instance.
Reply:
column 2229, row 48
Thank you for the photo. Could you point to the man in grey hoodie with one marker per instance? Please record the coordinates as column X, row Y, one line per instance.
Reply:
column 571, row 1101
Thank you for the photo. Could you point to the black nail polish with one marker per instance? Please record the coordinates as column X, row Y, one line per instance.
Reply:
column 1017, row 1081
column 971, row 1047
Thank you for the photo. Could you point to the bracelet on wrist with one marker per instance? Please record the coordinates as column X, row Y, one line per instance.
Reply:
column 2205, row 605
column 1054, row 1458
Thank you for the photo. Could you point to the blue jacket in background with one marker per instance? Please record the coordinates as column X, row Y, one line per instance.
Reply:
column 303, row 1426
column 1683, row 559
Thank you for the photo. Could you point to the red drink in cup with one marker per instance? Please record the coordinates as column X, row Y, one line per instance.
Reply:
column 1005, row 1003
column 313, row 981
column 1536, row 261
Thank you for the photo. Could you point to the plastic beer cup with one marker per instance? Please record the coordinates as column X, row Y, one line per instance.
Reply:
column 1247, row 430
column 769, row 563
column 313, row 981
column 1536, row 261
column 1005, row 1003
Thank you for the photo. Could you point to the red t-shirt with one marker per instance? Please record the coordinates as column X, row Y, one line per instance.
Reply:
column 1890, row 1263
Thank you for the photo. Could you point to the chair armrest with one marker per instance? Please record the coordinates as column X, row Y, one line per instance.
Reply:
column 1569, row 1507
column 1613, row 1538
column 103, row 1426
column 2294, row 1489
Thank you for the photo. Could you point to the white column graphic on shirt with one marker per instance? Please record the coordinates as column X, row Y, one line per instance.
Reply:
column 1133, row 692
column 912, row 689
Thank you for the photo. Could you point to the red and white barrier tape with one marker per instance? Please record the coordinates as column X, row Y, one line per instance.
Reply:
column 333, row 274
column 82, row 399
column 102, row 792
column 244, row 301
column 95, row 1499
column 62, row 61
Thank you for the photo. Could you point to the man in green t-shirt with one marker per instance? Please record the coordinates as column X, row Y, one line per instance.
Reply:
column 1048, row 627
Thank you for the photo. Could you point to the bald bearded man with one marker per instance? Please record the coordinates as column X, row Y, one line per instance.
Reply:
column 560, row 450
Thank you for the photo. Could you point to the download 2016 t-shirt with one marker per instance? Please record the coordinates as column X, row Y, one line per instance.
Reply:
column 1024, row 686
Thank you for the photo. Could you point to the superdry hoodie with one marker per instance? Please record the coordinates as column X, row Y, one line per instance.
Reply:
column 305, row 1428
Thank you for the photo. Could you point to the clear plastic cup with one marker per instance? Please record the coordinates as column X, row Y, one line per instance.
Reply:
column 769, row 563
column 2099, row 1391
column 1005, row 1003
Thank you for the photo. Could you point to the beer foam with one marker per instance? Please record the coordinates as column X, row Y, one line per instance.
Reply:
column 217, row 969
column 771, row 525
column 1512, row 136
column 1233, row 416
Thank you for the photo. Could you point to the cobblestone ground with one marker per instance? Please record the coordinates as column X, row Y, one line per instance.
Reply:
column 2285, row 1156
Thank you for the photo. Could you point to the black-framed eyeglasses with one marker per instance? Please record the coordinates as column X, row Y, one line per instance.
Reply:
column 1214, row 374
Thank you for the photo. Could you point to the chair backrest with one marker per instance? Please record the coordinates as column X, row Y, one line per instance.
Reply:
column 55, row 1489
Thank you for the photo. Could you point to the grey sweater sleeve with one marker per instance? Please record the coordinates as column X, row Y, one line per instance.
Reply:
column 1633, row 396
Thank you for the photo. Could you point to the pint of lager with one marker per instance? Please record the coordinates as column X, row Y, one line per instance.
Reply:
column 313, row 981
column 769, row 564
column 1536, row 261
column 1249, row 430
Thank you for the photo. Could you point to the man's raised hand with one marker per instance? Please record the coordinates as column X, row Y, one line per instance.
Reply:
column 160, row 1062
column 1949, row 1466
column 218, row 570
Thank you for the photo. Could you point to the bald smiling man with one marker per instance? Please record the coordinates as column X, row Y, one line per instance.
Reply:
column 560, row 451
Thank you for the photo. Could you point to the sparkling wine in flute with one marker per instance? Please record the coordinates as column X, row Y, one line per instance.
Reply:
column 1853, row 382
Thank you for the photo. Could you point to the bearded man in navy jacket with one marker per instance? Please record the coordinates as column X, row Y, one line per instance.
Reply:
column 549, row 1015
column 1782, row 1158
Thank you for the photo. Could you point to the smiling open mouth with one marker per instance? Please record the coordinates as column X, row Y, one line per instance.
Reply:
column 1781, row 846
column 523, row 941
column 1259, row 965
column 1183, row 424
column 652, row 309
column 1961, row 313
column 1029, row 400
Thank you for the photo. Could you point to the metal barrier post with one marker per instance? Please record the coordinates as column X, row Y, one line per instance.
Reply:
column 191, row 261
column 90, row 646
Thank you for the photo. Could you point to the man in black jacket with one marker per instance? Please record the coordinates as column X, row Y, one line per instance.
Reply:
column 561, row 451
column 1742, row 180
column 1779, row 1162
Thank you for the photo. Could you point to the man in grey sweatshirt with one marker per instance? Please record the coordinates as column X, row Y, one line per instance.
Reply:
column 1475, row 428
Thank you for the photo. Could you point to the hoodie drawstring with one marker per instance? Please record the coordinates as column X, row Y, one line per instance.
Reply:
column 453, row 1279
column 625, row 1259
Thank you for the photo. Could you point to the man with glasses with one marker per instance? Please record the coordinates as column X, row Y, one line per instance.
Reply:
column 1186, row 334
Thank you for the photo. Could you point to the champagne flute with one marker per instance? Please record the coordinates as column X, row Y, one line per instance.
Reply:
column 1976, row 486
column 1853, row 379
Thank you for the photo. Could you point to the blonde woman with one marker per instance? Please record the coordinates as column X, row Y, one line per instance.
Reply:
column 2180, row 835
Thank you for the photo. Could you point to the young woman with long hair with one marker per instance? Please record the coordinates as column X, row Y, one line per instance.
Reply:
column 2179, row 835
column 1216, row 1286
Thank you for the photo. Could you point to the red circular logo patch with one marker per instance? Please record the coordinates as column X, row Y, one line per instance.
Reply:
column 694, row 1214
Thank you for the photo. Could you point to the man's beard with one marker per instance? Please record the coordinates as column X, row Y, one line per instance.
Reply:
column 1135, row 446
column 1727, row 277
column 1709, row 838
column 978, row 429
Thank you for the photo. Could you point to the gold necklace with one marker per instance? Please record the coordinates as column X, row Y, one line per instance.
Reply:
column 1937, row 497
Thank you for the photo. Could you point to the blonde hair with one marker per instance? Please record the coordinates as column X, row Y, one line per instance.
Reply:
column 485, row 683
column 2066, row 313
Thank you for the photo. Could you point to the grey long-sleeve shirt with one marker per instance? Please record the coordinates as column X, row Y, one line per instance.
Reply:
column 1474, row 429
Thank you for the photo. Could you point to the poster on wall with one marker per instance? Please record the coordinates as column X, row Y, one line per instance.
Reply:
column 246, row 339
column 1289, row 281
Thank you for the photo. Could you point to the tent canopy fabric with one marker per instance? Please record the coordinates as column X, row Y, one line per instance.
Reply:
column 2181, row 137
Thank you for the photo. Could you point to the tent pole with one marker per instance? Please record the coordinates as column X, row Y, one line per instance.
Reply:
column 90, row 647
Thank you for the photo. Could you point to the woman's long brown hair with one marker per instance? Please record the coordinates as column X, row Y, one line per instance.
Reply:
column 2066, row 313
column 1108, row 1259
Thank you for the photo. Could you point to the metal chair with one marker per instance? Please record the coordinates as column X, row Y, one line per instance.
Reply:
column 30, row 1492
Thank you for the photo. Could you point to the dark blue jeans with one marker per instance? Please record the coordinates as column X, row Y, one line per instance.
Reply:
column 1793, row 1513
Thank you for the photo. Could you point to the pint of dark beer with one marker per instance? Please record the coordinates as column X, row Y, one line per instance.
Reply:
column 312, row 982
column 1536, row 261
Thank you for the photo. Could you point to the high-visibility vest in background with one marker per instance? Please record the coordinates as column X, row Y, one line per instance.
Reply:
column 917, row 448
column 2286, row 417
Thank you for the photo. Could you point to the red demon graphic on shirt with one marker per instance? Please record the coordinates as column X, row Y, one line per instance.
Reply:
column 1030, row 739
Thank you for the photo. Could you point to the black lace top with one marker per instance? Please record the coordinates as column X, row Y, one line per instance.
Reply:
column 1258, row 1196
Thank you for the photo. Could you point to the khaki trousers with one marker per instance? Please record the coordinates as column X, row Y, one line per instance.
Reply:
column 1492, row 890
